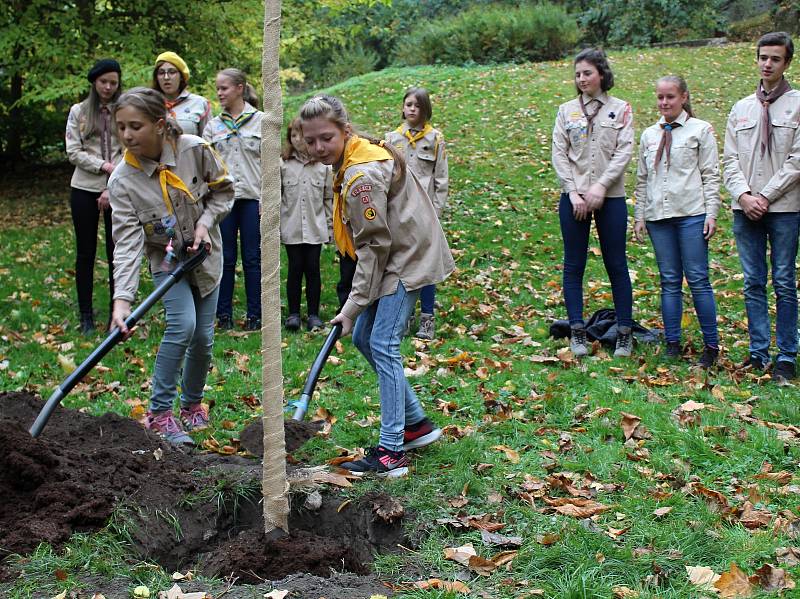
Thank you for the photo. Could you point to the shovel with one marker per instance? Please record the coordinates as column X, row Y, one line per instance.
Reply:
column 114, row 337
column 301, row 405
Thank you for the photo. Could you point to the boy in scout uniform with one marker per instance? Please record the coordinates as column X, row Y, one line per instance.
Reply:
column 761, row 169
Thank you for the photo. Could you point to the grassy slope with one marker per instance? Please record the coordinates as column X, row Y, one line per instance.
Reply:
column 502, row 224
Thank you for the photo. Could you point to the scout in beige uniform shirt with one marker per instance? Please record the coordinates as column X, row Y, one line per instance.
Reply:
column 427, row 159
column 89, row 154
column 241, row 151
column 392, row 231
column 306, row 201
column 141, row 217
column 690, row 186
column 774, row 174
column 583, row 155
column 192, row 112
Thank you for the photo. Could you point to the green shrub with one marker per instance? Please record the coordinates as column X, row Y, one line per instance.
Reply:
column 349, row 61
column 642, row 22
column 492, row 34
column 748, row 30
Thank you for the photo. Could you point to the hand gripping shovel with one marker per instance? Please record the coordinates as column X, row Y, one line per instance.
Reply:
column 301, row 405
column 113, row 338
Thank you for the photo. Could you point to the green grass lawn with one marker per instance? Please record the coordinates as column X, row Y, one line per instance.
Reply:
column 557, row 425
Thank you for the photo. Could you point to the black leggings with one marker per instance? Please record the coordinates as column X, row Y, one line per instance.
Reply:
column 303, row 261
column 347, row 270
column 85, row 217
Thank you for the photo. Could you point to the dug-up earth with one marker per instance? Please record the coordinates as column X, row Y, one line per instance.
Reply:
column 181, row 510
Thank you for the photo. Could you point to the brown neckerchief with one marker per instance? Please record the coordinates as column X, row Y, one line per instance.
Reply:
column 589, row 117
column 666, row 142
column 105, row 134
column 766, row 123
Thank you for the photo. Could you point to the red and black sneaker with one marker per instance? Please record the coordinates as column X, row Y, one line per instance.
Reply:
column 420, row 434
column 381, row 462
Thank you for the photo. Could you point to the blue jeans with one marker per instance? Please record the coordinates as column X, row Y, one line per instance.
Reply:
column 612, row 229
column 244, row 219
column 780, row 229
column 377, row 334
column 186, row 344
column 427, row 299
column 681, row 250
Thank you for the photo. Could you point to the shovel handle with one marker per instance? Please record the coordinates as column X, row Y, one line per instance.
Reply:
column 301, row 405
column 114, row 337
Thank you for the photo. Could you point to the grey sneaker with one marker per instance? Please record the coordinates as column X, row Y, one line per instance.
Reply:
column 165, row 424
column 426, row 327
column 577, row 341
column 624, row 342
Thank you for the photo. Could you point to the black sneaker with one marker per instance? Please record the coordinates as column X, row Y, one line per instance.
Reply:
column 784, row 371
column 421, row 434
column 224, row 322
column 87, row 324
column 293, row 322
column 673, row 349
column 709, row 357
column 754, row 363
column 314, row 322
column 253, row 323
column 384, row 463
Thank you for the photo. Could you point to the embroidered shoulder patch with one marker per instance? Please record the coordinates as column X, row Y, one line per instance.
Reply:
column 365, row 188
column 370, row 213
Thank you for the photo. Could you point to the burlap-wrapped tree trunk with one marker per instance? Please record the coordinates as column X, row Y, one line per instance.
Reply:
column 275, row 486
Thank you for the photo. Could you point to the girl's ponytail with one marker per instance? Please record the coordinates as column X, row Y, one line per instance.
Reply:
column 250, row 96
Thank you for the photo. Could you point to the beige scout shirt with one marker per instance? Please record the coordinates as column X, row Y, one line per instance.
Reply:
column 191, row 111
column 241, row 151
column 306, row 201
column 690, row 186
column 88, row 154
column 774, row 175
column 428, row 161
column 395, row 232
column 139, row 213
column 580, row 158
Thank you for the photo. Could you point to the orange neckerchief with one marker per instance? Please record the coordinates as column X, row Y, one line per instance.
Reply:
column 356, row 151
column 412, row 138
column 165, row 177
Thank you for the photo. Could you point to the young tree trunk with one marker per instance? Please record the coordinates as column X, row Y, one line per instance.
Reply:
column 275, row 487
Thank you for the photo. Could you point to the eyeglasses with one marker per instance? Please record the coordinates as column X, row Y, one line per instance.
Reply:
column 166, row 72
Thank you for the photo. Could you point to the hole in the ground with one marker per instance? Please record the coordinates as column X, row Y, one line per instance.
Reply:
column 220, row 543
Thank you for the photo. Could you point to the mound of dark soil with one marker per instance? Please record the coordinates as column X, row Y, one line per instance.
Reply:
column 71, row 477
column 296, row 433
column 180, row 508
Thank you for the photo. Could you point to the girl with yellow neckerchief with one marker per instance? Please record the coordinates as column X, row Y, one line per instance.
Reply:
column 426, row 157
column 168, row 196
column 383, row 218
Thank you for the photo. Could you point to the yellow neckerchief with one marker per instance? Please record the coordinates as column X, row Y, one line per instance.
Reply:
column 413, row 139
column 165, row 177
column 356, row 151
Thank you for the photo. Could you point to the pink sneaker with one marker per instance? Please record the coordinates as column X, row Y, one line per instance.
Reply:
column 166, row 425
column 194, row 417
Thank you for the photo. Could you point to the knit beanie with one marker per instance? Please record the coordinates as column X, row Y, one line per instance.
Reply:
column 103, row 66
column 176, row 60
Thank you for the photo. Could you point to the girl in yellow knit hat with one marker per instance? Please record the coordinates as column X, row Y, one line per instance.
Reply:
column 171, row 77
